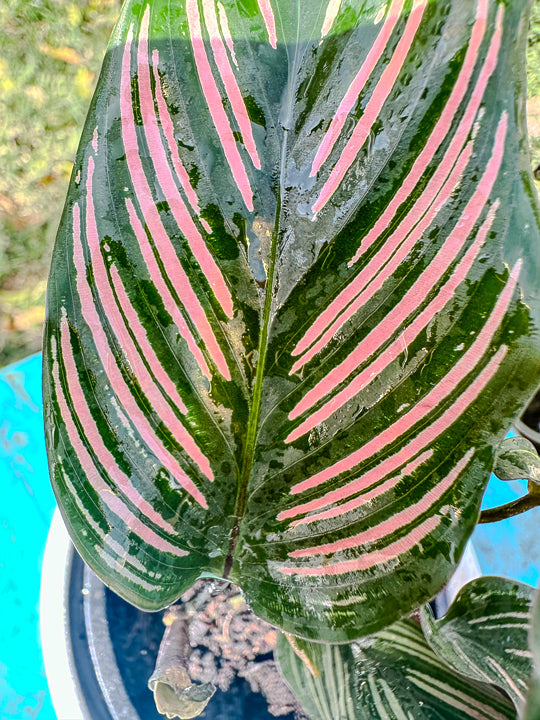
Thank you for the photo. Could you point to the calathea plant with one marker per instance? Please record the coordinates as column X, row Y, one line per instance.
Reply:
column 293, row 307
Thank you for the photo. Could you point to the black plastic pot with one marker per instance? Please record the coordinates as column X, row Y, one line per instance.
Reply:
column 113, row 649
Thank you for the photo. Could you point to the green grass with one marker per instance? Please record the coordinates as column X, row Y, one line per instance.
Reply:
column 50, row 55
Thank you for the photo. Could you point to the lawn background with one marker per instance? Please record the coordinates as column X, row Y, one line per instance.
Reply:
column 50, row 55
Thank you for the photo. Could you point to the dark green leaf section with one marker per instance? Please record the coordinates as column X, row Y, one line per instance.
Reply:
column 485, row 634
column 293, row 303
column 391, row 675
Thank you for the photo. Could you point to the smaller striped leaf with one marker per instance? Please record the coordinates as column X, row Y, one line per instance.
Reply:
column 391, row 675
column 484, row 634
column 321, row 676
column 517, row 459
column 532, row 707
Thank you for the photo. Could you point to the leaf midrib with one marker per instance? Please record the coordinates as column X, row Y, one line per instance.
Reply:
column 254, row 412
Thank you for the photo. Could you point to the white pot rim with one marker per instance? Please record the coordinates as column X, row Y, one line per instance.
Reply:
column 53, row 622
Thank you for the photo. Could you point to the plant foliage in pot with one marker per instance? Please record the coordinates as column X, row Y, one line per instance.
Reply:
column 293, row 310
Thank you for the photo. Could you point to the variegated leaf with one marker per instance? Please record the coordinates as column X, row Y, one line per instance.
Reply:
column 393, row 675
column 294, row 300
column 485, row 634
column 517, row 459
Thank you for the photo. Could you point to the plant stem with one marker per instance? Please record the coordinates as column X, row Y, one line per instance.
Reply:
column 516, row 507
column 253, row 419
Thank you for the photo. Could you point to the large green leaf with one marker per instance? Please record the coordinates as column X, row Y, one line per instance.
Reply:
column 294, row 300
column 485, row 634
column 393, row 675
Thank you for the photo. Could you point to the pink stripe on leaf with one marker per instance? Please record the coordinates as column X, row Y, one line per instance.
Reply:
column 444, row 124
column 167, row 183
column 165, row 294
column 116, row 380
column 426, row 437
column 331, row 13
column 392, row 524
column 268, row 15
column 164, row 246
column 373, row 107
column 115, row 504
column 369, row 560
column 465, row 365
column 357, row 85
column 224, row 25
column 229, row 80
column 439, row 134
column 377, row 491
column 215, row 105
column 168, row 130
column 445, row 295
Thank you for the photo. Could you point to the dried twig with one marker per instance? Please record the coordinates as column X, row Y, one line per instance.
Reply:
column 175, row 693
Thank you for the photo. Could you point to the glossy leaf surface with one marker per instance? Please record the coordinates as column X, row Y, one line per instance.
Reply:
column 393, row 674
column 293, row 302
column 485, row 634
column 517, row 459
